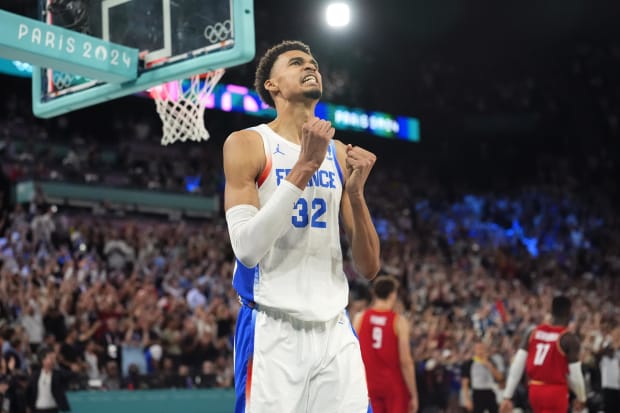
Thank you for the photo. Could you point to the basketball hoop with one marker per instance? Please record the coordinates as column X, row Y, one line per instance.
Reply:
column 181, row 106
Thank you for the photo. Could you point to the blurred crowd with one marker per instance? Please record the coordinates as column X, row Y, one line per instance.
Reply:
column 129, row 303
column 53, row 151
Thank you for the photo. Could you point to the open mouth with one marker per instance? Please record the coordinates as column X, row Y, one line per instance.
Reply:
column 310, row 80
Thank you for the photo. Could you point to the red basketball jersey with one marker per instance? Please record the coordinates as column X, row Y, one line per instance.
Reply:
column 379, row 344
column 546, row 362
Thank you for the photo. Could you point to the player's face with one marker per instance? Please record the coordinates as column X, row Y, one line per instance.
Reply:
column 296, row 74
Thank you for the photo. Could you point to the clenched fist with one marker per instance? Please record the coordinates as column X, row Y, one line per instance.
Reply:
column 315, row 137
column 359, row 162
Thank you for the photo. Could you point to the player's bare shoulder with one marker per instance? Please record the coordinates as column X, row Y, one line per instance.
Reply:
column 246, row 140
column 244, row 148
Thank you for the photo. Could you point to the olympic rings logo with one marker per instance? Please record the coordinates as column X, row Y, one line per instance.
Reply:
column 62, row 80
column 218, row 32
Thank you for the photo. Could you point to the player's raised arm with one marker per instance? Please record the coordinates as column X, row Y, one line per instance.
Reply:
column 355, row 215
column 252, row 231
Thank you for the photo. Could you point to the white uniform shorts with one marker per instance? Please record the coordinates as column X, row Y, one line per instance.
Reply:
column 284, row 365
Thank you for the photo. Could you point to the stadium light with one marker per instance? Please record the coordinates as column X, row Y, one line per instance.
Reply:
column 338, row 14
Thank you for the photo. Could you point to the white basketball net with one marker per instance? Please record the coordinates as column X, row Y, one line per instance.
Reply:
column 181, row 106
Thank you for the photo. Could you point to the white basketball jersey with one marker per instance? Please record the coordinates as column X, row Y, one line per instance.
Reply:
column 302, row 274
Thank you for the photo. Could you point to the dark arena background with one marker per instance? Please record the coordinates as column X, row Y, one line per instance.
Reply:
column 497, row 131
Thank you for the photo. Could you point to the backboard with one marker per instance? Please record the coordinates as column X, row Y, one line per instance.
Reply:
column 176, row 39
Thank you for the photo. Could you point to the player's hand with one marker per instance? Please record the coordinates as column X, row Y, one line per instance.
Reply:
column 315, row 137
column 506, row 406
column 359, row 163
column 413, row 405
column 469, row 406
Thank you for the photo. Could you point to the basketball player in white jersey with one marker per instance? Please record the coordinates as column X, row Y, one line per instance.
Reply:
column 288, row 186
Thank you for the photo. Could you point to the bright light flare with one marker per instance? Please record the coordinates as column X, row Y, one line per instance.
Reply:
column 338, row 14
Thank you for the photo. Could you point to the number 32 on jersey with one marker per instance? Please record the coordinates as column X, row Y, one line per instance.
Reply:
column 309, row 212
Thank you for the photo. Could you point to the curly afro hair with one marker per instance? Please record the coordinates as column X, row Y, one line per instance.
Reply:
column 263, row 71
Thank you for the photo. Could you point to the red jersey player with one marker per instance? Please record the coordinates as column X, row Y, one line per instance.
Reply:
column 550, row 356
column 384, row 341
